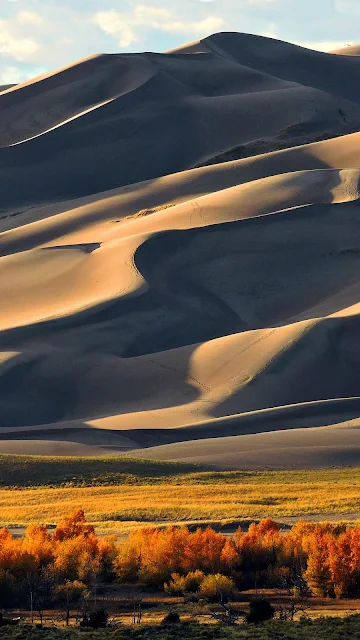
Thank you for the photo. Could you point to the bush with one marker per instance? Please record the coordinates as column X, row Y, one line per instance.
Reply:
column 97, row 619
column 8, row 622
column 176, row 586
column 260, row 610
column 193, row 580
column 217, row 588
column 171, row 618
column 180, row 585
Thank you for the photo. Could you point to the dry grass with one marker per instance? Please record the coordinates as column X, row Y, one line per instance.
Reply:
column 193, row 497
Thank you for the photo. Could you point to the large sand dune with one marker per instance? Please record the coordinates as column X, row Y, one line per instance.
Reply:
column 162, row 300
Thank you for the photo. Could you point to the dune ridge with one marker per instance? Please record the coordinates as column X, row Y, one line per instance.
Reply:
column 160, row 303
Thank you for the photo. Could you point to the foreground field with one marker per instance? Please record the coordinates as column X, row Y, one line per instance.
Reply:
column 121, row 494
column 322, row 629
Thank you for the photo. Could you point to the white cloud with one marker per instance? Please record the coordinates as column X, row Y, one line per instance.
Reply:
column 347, row 6
column 114, row 25
column 127, row 27
column 9, row 75
column 201, row 28
column 13, row 75
column 28, row 17
column 18, row 48
column 14, row 36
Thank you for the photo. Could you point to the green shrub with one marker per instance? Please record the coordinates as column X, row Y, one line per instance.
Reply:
column 176, row 586
column 217, row 588
column 179, row 585
column 193, row 580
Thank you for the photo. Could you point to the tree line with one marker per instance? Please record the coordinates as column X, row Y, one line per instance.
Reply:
column 67, row 565
column 321, row 558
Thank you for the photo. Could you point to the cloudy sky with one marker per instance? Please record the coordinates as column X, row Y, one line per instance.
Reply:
column 40, row 35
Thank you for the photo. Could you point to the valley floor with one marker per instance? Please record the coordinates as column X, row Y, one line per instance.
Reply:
column 119, row 495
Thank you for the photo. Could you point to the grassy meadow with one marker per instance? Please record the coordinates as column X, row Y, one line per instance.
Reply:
column 121, row 494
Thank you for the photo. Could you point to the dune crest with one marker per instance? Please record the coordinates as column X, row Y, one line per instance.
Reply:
column 179, row 256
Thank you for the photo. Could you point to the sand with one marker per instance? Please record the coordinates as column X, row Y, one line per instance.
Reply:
column 350, row 50
column 159, row 300
column 5, row 87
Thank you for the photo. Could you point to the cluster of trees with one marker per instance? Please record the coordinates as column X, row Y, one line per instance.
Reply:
column 322, row 559
column 64, row 566
column 42, row 568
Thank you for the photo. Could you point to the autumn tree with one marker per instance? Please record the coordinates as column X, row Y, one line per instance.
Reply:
column 107, row 550
column 258, row 550
column 69, row 594
column 230, row 556
column 203, row 551
column 38, row 544
column 10, row 552
column 318, row 574
column 73, row 526
column 355, row 558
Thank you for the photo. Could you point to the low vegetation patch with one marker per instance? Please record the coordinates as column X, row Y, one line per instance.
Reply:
column 328, row 628
column 323, row 629
column 20, row 471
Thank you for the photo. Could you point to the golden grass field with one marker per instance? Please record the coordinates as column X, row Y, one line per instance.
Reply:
column 168, row 493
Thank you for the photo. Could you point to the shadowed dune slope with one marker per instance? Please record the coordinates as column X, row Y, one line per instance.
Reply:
column 290, row 62
column 175, row 311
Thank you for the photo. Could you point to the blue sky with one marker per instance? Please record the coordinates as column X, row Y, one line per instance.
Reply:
column 40, row 35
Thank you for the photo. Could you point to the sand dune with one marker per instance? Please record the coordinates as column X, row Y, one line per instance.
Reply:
column 350, row 50
column 289, row 62
column 298, row 449
column 160, row 300
column 197, row 46
column 5, row 87
column 205, row 103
